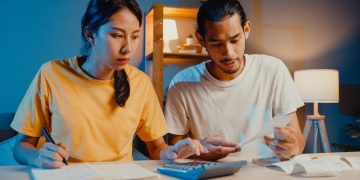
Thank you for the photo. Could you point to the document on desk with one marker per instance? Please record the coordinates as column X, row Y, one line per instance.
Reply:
column 71, row 172
column 122, row 171
column 354, row 161
column 324, row 166
column 277, row 121
column 93, row 171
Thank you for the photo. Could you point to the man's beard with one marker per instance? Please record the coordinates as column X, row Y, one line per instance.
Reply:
column 230, row 71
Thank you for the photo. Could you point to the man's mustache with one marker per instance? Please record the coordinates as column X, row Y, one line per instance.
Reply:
column 229, row 59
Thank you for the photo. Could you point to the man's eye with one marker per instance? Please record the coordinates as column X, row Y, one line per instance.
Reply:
column 216, row 44
column 234, row 41
column 135, row 36
column 117, row 35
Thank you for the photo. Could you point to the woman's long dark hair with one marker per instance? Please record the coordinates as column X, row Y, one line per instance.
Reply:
column 98, row 13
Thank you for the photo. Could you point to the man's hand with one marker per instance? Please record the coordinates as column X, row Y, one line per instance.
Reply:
column 51, row 155
column 218, row 148
column 287, row 145
column 182, row 149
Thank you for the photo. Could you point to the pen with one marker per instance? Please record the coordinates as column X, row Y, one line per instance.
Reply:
column 48, row 138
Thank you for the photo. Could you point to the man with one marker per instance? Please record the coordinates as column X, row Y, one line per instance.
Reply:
column 233, row 95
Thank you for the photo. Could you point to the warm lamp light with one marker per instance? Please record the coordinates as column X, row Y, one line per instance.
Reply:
column 317, row 86
column 170, row 33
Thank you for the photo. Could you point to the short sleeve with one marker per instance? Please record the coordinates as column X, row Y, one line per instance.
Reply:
column 286, row 97
column 152, row 123
column 33, row 111
column 175, row 112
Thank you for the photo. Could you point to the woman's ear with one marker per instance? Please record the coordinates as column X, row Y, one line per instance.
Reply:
column 247, row 29
column 89, row 35
column 200, row 39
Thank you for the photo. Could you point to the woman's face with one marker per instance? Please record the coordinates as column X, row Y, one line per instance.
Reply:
column 115, row 42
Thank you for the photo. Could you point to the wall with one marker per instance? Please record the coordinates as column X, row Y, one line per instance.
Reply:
column 36, row 31
column 312, row 34
column 31, row 33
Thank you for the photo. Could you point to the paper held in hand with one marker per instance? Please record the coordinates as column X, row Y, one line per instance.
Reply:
column 277, row 121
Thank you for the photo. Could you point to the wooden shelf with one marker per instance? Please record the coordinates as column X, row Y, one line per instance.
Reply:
column 154, row 43
column 180, row 12
column 181, row 58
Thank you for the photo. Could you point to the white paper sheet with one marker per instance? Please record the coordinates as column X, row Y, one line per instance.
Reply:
column 354, row 161
column 122, row 171
column 277, row 121
column 93, row 172
column 71, row 172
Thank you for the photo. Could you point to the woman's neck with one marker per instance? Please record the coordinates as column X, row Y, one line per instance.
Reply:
column 93, row 68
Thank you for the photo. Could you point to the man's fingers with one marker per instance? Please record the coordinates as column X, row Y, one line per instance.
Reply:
column 219, row 153
column 211, row 147
column 285, row 133
column 267, row 138
column 218, row 141
column 283, row 153
column 228, row 150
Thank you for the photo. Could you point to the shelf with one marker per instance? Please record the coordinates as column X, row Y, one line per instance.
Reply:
column 154, row 45
column 180, row 12
column 181, row 58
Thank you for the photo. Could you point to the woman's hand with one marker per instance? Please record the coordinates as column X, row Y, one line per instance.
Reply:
column 52, row 155
column 182, row 149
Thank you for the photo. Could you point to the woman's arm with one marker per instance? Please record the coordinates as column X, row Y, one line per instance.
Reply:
column 49, row 156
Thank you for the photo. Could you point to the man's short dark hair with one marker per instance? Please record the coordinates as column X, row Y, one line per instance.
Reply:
column 215, row 10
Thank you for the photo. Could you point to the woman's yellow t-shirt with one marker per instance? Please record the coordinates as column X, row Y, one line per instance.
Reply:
column 81, row 112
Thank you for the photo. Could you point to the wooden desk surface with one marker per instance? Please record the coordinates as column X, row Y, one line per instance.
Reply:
column 250, row 171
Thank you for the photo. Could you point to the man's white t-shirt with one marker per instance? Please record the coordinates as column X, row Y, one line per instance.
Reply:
column 199, row 104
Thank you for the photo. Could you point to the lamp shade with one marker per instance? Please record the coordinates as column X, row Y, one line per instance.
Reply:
column 170, row 33
column 170, row 30
column 318, row 85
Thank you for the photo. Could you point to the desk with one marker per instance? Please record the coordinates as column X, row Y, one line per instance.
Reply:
column 251, row 171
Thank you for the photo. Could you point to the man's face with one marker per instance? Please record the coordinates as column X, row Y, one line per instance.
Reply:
column 225, row 42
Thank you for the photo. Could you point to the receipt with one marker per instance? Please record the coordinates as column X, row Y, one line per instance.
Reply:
column 277, row 121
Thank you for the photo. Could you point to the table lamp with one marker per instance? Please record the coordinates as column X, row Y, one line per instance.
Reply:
column 317, row 86
column 170, row 33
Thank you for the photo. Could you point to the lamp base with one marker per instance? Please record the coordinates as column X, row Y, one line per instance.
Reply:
column 316, row 123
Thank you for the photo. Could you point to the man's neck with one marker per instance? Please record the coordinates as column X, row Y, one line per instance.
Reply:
column 220, row 75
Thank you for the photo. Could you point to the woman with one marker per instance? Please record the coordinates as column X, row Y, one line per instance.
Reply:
column 95, row 103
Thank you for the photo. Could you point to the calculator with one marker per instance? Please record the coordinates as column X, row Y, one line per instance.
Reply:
column 201, row 169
